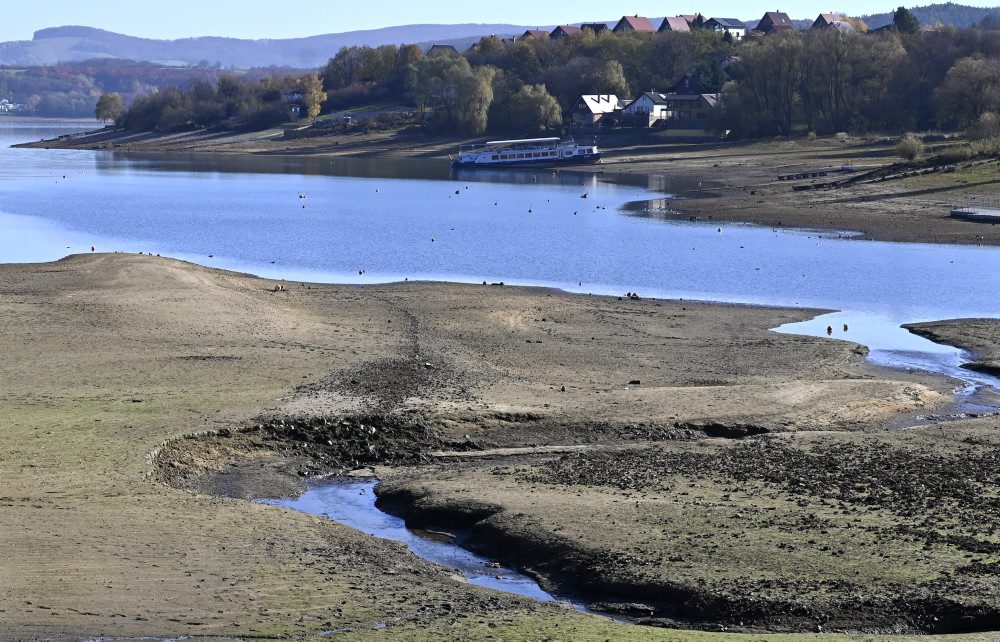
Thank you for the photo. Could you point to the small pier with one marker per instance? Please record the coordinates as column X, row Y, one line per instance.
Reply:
column 983, row 210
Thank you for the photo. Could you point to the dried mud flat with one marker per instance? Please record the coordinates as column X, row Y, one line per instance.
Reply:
column 673, row 461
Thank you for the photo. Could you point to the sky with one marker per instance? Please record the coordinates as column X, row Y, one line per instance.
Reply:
column 295, row 18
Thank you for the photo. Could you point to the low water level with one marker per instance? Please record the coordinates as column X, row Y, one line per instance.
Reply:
column 349, row 221
column 366, row 221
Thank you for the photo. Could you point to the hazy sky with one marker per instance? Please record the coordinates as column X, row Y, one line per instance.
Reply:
column 293, row 18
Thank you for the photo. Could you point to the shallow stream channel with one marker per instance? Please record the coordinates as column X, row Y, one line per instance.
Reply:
column 351, row 502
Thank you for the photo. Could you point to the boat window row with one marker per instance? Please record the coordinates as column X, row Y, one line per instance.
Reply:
column 525, row 155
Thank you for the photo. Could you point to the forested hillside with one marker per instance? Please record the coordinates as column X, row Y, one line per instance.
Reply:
column 949, row 13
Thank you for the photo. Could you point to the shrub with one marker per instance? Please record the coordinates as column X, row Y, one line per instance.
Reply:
column 910, row 147
column 955, row 154
column 988, row 126
column 987, row 146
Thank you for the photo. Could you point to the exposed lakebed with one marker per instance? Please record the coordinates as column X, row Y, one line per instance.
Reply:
column 299, row 220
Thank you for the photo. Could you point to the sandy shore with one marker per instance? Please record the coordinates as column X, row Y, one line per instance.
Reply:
column 137, row 386
column 739, row 181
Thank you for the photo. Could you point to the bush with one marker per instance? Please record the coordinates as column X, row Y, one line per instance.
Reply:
column 988, row 146
column 954, row 154
column 910, row 147
column 988, row 126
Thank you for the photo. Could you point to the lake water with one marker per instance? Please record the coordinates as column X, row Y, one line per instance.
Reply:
column 335, row 220
column 338, row 220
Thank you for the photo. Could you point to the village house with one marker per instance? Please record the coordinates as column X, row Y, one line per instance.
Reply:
column 838, row 21
column 442, row 50
column 646, row 110
column 8, row 107
column 677, row 23
column 537, row 34
column 690, row 111
column 565, row 31
column 592, row 109
column 631, row 24
column 775, row 22
column 735, row 28
column 596, row 27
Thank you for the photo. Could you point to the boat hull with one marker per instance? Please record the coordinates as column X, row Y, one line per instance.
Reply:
column 549, row 162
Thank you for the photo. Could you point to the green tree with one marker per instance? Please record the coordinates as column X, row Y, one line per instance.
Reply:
column 905, row 22
column 111, row 106
column 534, row 109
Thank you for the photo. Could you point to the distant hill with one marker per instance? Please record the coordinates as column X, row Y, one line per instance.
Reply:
column 74, row 44
column 948, row 13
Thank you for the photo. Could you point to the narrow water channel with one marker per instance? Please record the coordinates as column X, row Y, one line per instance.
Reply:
column 352, row 502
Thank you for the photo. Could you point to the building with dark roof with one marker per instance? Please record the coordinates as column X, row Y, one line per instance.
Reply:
column 565, row 31
column 775, row 22
column 735, row 28
column 596, row 27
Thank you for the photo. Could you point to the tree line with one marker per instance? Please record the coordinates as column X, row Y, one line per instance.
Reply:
column 827, row 81
column 820, row 81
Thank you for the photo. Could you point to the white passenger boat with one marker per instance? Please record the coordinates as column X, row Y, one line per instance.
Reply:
column 526, row 151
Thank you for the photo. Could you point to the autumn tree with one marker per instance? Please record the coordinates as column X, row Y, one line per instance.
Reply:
column 110, row 106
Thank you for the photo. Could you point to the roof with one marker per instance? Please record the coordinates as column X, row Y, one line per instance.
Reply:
column 777, row 18
column 775, row 21
column 523, row 140
column 569, row 30
column 442, row 49
column 727, row 23
column 656, row 97
column 600, row 103
column 596, row 27
column 537, row 34
column 678, row 23
column 638, row 23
